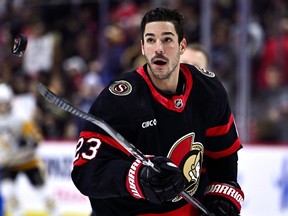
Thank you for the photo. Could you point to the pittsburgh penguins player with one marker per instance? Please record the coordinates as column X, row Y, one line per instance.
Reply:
column 19, row 139
column 176, row 114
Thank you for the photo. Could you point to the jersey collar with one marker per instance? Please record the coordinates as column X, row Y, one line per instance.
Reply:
column 176, row 103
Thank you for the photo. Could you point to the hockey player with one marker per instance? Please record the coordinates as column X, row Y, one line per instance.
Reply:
column 176, row 114
column 195, row 54
column 19, row 138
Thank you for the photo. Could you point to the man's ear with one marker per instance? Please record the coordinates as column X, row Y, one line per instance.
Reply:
column 142, row 48
column 183, row 45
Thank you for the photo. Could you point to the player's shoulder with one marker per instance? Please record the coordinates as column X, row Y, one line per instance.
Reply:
column 123, row 94
column 201, row 72
column 206, row 80
column 125, row 87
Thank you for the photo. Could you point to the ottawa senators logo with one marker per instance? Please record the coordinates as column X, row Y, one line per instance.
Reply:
column 120, row 88
column 205, row 72
column 188, row 156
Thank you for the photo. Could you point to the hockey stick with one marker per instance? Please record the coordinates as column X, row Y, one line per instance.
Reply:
column 60, row 103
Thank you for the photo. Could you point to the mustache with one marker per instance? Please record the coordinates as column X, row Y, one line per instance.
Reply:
column 161, row 56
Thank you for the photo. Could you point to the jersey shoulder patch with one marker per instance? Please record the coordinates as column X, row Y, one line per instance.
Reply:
column 205, row 72
column 120, row 88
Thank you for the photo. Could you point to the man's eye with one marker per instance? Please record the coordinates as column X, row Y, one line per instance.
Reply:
column 150, row 40
column 166, row 40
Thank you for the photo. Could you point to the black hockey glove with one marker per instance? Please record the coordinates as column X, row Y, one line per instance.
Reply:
column 157, row 187
column 224, row 199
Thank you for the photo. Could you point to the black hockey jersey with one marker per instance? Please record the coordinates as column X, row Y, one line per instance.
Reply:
column 188, row 127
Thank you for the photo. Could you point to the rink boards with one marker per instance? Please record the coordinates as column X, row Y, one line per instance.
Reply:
column 263, row 174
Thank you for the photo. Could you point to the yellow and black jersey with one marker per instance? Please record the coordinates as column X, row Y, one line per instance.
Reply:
column 18, row 140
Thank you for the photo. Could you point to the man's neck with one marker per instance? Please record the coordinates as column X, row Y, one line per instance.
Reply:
column 175, row 88
column 168, row 85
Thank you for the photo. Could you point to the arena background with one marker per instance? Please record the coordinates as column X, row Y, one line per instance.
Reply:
column 227, row 28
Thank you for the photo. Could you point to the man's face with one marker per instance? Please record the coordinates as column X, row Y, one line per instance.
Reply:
column 161, row 49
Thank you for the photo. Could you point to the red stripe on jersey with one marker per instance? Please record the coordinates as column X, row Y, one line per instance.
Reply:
column 220, row 130
column 166, row 102
column 105, row 139
column 188, row 209
column 79, row 162
column 236, row 145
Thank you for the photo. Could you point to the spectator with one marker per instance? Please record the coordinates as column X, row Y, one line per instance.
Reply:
column 73, row 30
column 271, row 108
column 90, row 88
column 222, row 55
column 275, row 51
column 42, row 53
column 116, row 46
column 54, row 121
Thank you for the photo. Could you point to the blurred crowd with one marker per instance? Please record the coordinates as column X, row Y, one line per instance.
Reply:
column 76, row 47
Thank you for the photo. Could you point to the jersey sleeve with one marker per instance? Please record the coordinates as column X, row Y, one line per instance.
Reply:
column 101, row 163
column 222, row 139
column 99, row 170
column 221, row 133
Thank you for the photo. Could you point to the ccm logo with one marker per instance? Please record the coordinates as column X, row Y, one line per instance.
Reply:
column 150, row 123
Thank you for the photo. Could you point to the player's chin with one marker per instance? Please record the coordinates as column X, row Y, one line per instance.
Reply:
column 159, row 69
column 160, row 75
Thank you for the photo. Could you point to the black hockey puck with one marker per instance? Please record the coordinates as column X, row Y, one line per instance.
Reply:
column 19, row 45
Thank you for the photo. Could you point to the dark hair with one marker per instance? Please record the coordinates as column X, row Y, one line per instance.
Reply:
column 164, row 14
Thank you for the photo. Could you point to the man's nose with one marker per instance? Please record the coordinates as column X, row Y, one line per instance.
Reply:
column 159, row 47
